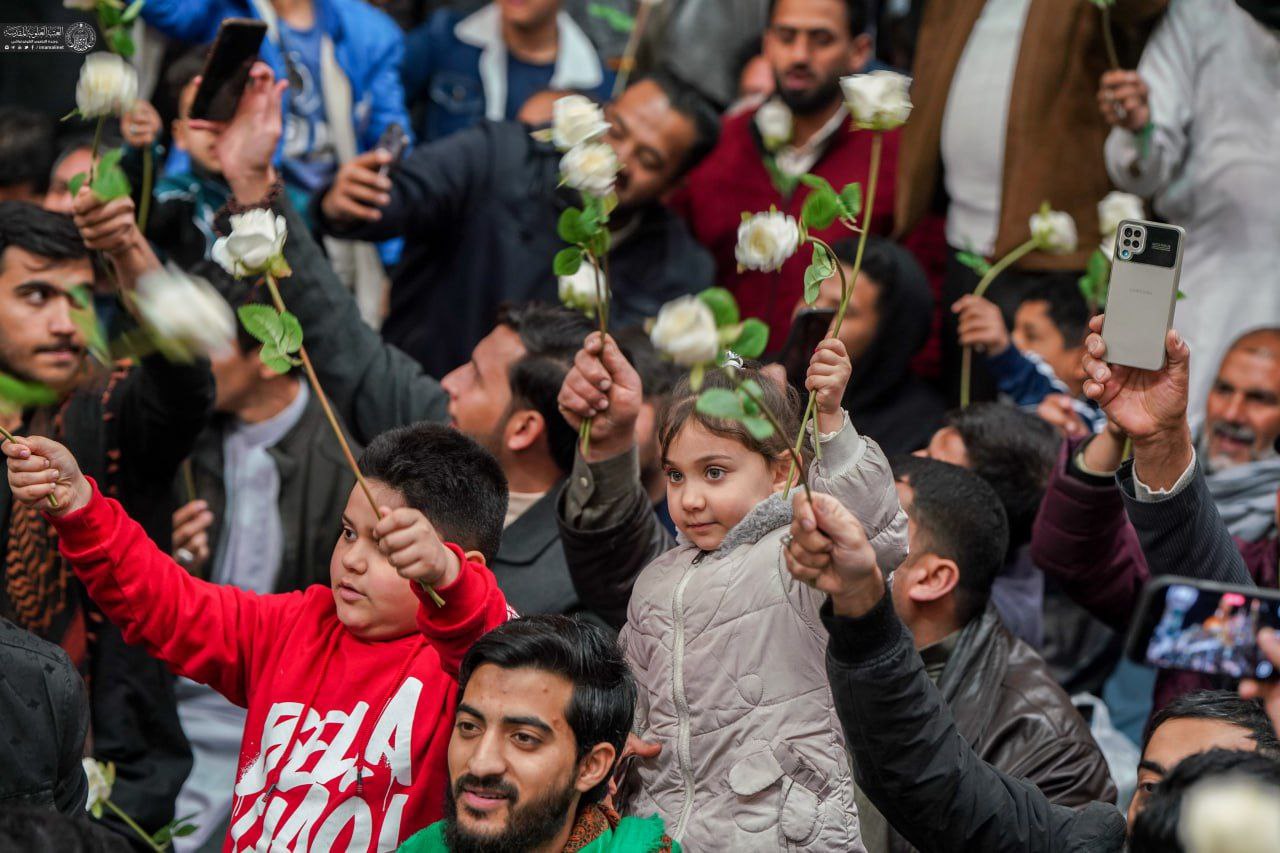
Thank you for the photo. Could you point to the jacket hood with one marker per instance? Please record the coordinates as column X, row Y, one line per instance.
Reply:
column 767, row 516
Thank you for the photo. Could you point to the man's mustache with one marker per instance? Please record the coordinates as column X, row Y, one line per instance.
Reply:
column 496, row 785
column 1235, row 432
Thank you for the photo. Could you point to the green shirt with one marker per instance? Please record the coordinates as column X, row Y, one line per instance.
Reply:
column 632, row 835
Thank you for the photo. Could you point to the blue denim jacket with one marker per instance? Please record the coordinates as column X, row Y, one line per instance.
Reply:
column 454, row 66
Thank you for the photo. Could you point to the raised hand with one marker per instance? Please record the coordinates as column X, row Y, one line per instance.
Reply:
column 414, row 549
column 140, row 125
column 191, row 524
column 1122, row 98
column 1058, row 411
column 39, row 467
column 828, row 550
column 247, row 143
column 359, row 190
column 981, row 324
column 602, row 385
column 107, row 226
column 828, row 376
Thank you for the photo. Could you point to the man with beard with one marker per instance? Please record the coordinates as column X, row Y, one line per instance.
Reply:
column 130, row 425
column 804, row 127
column 545, row 709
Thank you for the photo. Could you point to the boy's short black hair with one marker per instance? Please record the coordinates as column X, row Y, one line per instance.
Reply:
column 26, row 148
column 691, row 104
column 551, row 336
column 856, row 10
column 1225, row 706
column 40, row 232
column 1156, row 829
column 1067, row 308
column 961, row 519
column 446, row 476
column 604, row 690
column 183, row 70
column 1014, row 451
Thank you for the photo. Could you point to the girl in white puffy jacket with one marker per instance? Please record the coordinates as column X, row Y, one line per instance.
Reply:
column 727, row 648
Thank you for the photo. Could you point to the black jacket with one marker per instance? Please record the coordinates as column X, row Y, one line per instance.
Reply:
column 375, row 387
column 478, row 211
column 315, row 483
column 45, row 715
column 912, row 761
column 129, row 431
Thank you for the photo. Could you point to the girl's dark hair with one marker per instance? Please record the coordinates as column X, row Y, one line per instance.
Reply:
column 784, row 403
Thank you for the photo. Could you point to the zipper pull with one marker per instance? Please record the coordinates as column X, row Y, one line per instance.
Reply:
column 262, row 803
column 360, row 780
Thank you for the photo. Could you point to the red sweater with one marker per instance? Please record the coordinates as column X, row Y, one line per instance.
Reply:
column 733, row 179
column 367, row 766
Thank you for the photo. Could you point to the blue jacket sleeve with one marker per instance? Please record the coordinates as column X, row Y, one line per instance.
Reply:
column 1026, row 379
column 385, row 87
column 186, row 20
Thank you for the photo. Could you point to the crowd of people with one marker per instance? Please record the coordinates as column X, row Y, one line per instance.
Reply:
column 371, row 499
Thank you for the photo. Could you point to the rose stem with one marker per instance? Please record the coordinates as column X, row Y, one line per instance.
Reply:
column 8, row 436
column 795, row 457
column 966, row 359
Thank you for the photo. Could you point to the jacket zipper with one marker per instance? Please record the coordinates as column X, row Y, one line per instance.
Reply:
column 683, row 733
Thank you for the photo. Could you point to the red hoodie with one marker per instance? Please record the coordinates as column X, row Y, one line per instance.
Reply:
column 367, row 767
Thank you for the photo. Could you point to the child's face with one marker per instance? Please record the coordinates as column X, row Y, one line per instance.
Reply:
column 373, row 601
column 1033, row 330
column 199, row 144
column 713, row 482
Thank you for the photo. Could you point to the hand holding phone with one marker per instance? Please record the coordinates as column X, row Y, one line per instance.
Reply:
column 226, row 70
column 394, row 141
column 1142, row 293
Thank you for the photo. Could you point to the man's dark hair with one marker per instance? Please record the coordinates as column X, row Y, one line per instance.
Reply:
column 1014, row 451
column 446, row 476
column 687, row 101
column 26, row 148
column 1156, row 828
column 604, row 691
column 183, row 70
column 856, row 11
column 960, row 518
column 551, row 336
column 35, row 830
column 1067, row 308
column 1225, row 706
column 40, row 232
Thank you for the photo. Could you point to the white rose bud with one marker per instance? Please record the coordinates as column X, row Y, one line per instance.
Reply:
column 773, row 119
column 108, row 86
column 1054, row 231
column 185, row 314
column 580, row 291
column 591, row 168
column 766, row 240
column 1230, row 814
column 575, row 120
column 879, row 100
column 685, row 332
column 1113, row 210
column 99, row 785
column 254, row 246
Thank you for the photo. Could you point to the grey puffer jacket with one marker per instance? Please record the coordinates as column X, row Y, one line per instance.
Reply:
column 729, row 656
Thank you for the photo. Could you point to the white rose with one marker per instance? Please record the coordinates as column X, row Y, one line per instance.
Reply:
column 766, row 240
column 685, row 332
column 773, row 119
column 879, row 100
column 108, row 86
column 1114, row 209
column 255, row 244
column 186, row 315
column 1230, row 815
column 576, row 119
column 1054, row 231
column 99, row 784
column 580, row 290
column 591, row 168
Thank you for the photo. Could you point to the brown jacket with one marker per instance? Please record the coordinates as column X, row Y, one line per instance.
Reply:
column 1053, row 151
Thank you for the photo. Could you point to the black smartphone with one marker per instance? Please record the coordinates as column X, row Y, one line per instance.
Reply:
column 394, row 141
column 226, row 70
column 807, row 331
column 1204, row 626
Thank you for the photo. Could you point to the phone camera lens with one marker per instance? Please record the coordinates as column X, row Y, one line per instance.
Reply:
column 1125, row 254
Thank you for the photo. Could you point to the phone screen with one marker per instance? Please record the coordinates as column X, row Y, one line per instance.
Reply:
column 1210, row 629
column 227, row 69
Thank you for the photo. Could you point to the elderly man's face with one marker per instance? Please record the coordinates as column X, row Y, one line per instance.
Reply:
column 1242, row 417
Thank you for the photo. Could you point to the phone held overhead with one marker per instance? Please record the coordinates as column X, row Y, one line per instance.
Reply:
column 226, row 70
column 1142, row 293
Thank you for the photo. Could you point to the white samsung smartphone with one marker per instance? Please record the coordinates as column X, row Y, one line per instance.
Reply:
column 1142, row 293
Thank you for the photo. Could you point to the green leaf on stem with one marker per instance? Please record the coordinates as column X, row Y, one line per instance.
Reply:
column 821, row 268
column 760, row 428
column 720, row 403
column 85, row 319
column 753, row 339
column 108, row 15
column 132, row 11
column 1181, row 296
column 697, row 374
column 122, row 43
column 110, row 181
column 817, row 183
column 980, row 265
column 21, row 395
column 76, row 182
column 262, row 322
column 290, row 340
column 570, row 227
column 567, row 261
column 277, row 361
column 752, row 387
column 821, row 208
column 851, row 200
column 749, row 406
column 1093, row 284
column 598, row 242
column 722, row 304
column 618, row 20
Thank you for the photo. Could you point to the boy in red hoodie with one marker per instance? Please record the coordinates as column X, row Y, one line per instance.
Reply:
column 350, row 689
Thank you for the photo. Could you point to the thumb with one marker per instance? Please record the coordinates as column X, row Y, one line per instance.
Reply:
column 41, row 446
column 1177, row 351
column 836, row 522
column 647, row 748
column 802, row 510
column 617, row 365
